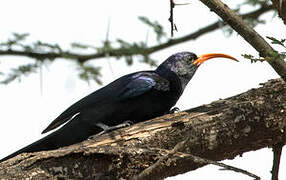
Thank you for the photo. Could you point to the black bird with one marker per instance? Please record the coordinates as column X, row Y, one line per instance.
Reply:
column 134, row 97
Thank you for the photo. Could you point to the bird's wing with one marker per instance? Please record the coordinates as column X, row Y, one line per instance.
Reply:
column 93, row 99
column 142, row 83
column 128, row 86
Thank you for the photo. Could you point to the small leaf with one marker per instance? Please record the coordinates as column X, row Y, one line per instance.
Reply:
column 21, row 70
column 157, row 28
column 276, row 41
column 78, row 45
column 20, row 37
column 88, row 72
column 252, row 59
column 129, row 60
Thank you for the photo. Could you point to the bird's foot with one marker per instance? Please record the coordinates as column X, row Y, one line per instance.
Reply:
column 126, row 124
column 173, row 110
column 107, row 129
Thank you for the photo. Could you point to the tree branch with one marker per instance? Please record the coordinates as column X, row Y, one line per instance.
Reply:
column 126, row 52
column 171, row 18
column 217, row 131
column 280, row 6
column 249, row 34
column 277, row 150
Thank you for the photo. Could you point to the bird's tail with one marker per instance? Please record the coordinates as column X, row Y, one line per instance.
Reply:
column 72, row 132
column 40, row 145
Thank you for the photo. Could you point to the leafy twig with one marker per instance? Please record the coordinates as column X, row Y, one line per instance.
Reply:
column 17, row 73
column 276, row 41
column 41, row 51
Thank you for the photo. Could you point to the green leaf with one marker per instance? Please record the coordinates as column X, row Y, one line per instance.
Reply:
column 251, row 58
column 157, row 28
column 20, row 37
column 17, row 73
column 276, row 41
column 88, row 72
column 129, row 60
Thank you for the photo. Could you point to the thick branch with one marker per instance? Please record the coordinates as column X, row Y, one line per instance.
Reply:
column 126, row 52
column 217, row 131
column 249, row 34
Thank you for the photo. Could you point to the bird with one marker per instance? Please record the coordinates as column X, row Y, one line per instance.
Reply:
column 135, row 97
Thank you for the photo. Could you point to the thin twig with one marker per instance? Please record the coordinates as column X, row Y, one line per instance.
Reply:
column 159, row 166
column 277, row 150
column 107, row 54
column 171, row 19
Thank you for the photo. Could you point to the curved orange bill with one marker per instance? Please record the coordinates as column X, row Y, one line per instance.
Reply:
column 204, row 57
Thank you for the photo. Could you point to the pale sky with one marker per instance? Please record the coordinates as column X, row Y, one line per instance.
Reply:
column 25, row 112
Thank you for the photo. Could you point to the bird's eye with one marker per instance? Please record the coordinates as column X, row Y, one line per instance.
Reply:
column 189, row 57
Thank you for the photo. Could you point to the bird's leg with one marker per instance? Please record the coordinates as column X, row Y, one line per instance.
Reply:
column 173, row 110
column 107, row 129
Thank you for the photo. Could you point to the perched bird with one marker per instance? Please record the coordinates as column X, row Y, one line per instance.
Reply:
column 134, row 97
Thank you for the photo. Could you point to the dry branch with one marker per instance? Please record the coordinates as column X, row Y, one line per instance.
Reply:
column 217, row 131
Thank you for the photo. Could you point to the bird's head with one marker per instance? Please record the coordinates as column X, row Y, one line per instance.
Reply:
column 185, row 64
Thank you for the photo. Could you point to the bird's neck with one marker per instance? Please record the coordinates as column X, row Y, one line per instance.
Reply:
column 172, row 77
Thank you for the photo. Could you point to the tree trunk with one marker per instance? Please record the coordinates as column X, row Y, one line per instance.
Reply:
column 217, row 131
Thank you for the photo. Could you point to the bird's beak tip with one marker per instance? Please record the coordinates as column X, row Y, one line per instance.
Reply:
column 204, row 57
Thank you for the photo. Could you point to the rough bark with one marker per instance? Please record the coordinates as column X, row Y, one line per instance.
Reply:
column 217, row 131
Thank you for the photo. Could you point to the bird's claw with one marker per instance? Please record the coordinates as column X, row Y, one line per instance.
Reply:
column 173, row 110
column 96, row 135
column 107, row 129
column 126, row 123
